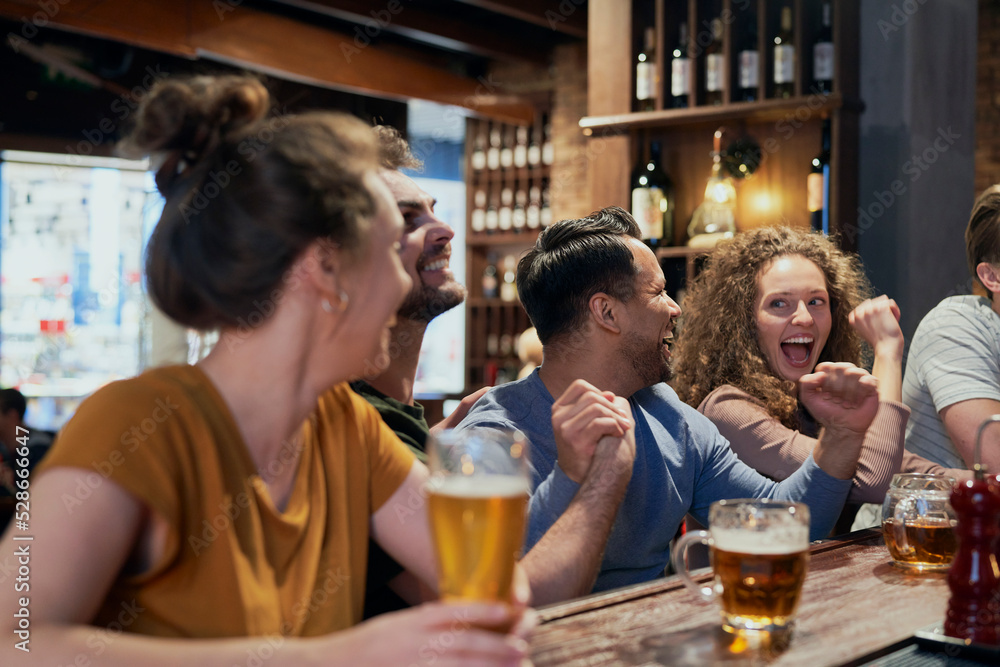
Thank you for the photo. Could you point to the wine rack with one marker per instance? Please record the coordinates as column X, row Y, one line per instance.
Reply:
column 508, row 170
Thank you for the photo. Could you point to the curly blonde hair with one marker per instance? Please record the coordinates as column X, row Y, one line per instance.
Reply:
column 718, row 344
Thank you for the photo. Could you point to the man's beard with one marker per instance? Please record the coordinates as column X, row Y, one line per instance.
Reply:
column 425, row 303
column 646, row 360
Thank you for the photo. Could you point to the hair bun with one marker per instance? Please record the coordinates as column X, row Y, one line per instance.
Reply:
column 190, row 117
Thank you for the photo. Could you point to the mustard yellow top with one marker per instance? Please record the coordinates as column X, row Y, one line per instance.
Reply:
column 234, row 565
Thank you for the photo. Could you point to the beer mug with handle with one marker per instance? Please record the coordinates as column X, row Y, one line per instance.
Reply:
column 759, row 551
column 477, row 498
column 918, row 522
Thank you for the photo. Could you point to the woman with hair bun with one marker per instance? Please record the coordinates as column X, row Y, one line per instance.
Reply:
column 191, row 502
column 770, row 307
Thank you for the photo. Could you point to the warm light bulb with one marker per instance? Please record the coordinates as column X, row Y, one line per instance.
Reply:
column 763, row 202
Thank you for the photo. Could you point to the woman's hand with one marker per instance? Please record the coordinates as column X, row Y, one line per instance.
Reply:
column 840, row 396
column 877, row 321
column 439, row 634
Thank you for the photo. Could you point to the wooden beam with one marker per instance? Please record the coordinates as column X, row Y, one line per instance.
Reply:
column 566, row 16
column 609, row 93
column 434, row 28
column 281, row 47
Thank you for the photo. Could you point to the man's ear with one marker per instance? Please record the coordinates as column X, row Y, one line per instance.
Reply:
column 989, row 276
column 605, row 312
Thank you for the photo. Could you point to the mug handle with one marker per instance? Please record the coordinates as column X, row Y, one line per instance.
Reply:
column 899, row 526
column 679, row 560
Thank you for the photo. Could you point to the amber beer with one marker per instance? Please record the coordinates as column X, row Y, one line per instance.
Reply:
column 759, row 576
column 931, row 542
column 478, row 527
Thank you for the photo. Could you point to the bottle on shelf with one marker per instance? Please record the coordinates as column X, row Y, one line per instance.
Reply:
column 548, row 151
column 519, row 217
column 823, row 55
column 505, row 217
column 784, row 57
column 478, row 217
column 749, row 64
column 715, row 217
column 680, row 71
column 491, row 282
column 535, row 146
column 479, row 148
column 521, row 147
column 507, row 148
column 645, row 73
column 493, row 152
column 508, row 287
column 818, row 185
column 545, row 212
column 653, row 199
column 715, row 65
column 532, row 216
column 492, row 213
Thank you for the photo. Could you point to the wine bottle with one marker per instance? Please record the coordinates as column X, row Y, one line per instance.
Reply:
column 653, row 199
column 823, row 55
column 533, row 217
column 645, row 73
column 508, row 287
column 492, row 215
column 714, row 65
column 479, row 212
column 749, row 61
column 548, row 151
column 493, row 153
column 491, row 283
column 784, row 57
column 818, row 185
column 505, row 217
column 507, row 148
column 521, row 147
column 479, row 148
column 534, row 147
column 680, row 71
column 545, row 212
column 519, row 216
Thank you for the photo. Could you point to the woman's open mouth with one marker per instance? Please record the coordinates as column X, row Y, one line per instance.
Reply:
column 797, row 350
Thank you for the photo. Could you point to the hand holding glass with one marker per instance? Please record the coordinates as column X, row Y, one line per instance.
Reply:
column 477, row 496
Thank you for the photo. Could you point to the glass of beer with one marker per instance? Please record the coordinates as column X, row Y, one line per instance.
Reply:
column 918, row 522
column 477, row 498
column 759, row 551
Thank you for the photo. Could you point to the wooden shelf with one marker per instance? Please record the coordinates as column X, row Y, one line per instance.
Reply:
column 766, row 110
column 680, row 251
column 480, row 302
column 482, row 239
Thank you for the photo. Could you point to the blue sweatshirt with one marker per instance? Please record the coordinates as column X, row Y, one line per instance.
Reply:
column 682, row 465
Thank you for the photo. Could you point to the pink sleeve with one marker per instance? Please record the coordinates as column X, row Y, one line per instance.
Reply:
column 764, row 444
column 916, row 463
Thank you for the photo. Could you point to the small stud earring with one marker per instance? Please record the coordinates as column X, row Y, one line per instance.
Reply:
column 344, row 300
column 326, row 306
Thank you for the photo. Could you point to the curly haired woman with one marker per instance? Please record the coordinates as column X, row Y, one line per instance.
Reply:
column 769, row 307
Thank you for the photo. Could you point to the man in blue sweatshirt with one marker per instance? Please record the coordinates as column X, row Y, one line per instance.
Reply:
column 617, row 459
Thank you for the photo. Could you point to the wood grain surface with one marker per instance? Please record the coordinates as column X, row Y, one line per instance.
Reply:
column 855, row 604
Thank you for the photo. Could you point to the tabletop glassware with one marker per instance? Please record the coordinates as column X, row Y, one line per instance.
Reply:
column 477, row 500
column 759, row 551
column 918, row 521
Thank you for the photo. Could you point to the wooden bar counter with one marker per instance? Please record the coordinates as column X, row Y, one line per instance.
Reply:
column 855, row 606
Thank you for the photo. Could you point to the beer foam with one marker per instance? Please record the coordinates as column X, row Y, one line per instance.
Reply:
column 777, row 540
column 479, row 486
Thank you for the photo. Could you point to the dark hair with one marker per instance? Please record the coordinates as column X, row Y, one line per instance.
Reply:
column 718, row 343
column 570, row 262
column 12, row 399
column 982, row 236
column 393, row 150
column 245, row 194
